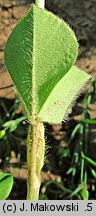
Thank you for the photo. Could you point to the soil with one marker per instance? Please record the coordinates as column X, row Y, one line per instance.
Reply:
column 81, row 14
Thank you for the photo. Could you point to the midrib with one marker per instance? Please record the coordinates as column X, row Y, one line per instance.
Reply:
column 33, row 72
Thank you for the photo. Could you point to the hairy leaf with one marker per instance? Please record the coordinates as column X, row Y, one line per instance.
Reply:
column 63, row 95
column 39, row 52
column 39, row 56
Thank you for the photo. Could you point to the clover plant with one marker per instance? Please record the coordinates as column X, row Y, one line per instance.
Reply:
column 40, row 55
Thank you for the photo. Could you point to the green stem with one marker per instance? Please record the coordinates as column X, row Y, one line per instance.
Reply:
column 40, row 3
column 35, row 150
column 35, row 159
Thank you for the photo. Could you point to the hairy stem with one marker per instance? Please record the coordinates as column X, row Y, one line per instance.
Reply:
column 40, row 3
column 35, row 150
column 35, row 159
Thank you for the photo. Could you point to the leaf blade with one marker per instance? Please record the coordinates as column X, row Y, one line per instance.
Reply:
column 39, row 52
column 63, row 96
column 6, row 183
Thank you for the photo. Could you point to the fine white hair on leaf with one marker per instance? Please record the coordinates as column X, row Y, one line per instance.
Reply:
column 74, row 101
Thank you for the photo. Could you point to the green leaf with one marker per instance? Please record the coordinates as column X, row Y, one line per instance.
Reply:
column 75, row 192
column 40, row 51
column 84, row 194
column 12, row 124
column 13, row 128
column 6, row 183
column 93, row 172
column 18, row 120
column 63, row 96
column 75, row 130
column 2, row 133
column 70, row 170
column 89, row 160
column 9, row 124
column 89, row 121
